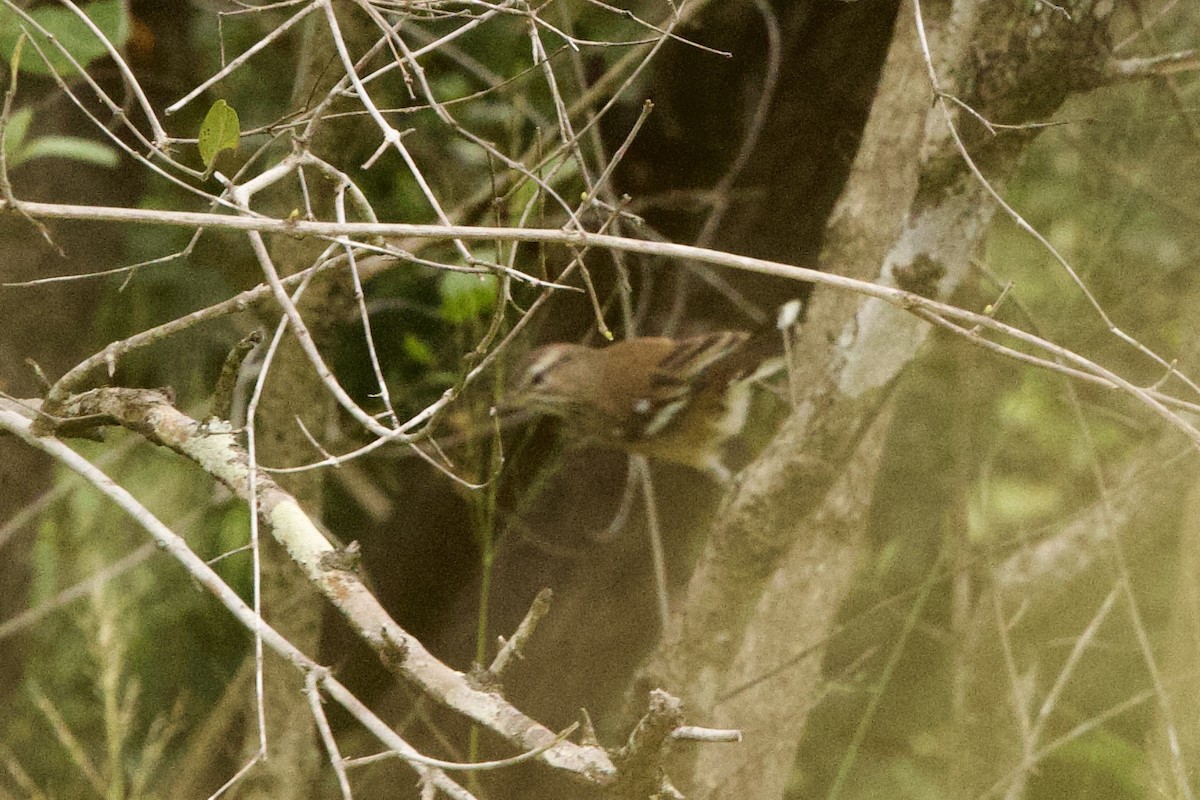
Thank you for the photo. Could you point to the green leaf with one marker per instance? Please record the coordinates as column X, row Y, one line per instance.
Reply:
column 14, row 60
column 219, row 131
column 70, row 31
column 417, row 350
column 69, row 147
column 1107, row 754
column 14, row 134
column 466, row 296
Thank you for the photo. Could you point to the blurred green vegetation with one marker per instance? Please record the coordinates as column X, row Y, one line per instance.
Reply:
column 984, row 456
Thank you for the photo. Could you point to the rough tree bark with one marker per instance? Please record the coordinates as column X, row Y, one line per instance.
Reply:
column 911, row 215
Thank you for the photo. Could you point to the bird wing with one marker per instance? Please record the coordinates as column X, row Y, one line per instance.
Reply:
column 690, row 359
column 690, row 365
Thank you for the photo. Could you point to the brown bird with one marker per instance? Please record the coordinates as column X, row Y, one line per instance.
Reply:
column 677, row 400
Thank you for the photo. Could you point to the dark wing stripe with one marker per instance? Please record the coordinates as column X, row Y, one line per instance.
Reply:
column 680, row 373
column 685, row 352
column 693, row 356
column 664, row 380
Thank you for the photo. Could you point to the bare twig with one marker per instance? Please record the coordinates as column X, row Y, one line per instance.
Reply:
column 513, row 645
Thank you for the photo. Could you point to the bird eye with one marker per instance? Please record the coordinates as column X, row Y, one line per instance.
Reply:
column 539, row 370
column 537, row 378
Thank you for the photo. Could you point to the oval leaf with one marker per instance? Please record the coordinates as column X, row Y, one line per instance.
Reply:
column 73, row 148
column 71, row 32
column 466, row 296
column 14, row 133
column 219, row 131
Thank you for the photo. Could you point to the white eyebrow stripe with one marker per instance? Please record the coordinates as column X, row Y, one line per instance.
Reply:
column 546, row 360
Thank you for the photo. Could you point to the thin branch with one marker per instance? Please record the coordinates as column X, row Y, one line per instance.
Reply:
column 512, row 648
column 1132, row 69
column 931, row 310
column 216, row 451
column 178, row 549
